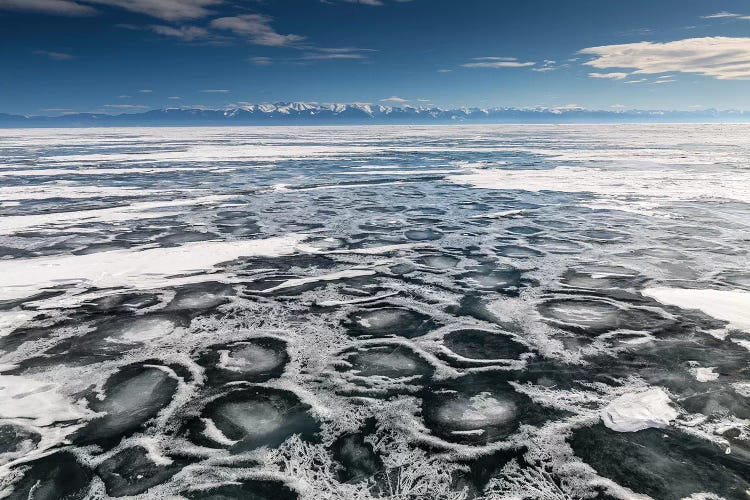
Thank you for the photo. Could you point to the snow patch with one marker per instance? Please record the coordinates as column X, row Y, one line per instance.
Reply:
column 732, row 306
column 144, row 269
column 635, row 411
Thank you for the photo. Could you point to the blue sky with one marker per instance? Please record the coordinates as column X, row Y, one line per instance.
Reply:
column 116, row 56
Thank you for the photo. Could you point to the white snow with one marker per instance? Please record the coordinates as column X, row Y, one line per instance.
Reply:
column 10, row 320
column 40, row 402
column 501, row 215
column 134, row 211
column 732, row 306
column 295, row 282
column 635, row 411
column 705, row 374
column 653, row 184
column 145, row 329
column 144, row 269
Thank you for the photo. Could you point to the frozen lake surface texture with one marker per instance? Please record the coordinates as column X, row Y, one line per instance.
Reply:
column 536, row 312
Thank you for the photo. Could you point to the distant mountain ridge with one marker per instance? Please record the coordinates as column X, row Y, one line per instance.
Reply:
column 302, row 113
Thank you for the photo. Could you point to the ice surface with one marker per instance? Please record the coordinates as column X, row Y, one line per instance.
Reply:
column 247, row 419
column 375, row 312
column 131, row 397
column 132, row 472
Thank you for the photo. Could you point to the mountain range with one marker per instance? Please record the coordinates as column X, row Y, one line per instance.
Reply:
column 301, row 113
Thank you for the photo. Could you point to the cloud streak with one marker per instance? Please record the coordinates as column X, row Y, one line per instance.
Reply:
column 257, row 29
column 723, row 58
column 727, row 15
column 167, row 10
column 497, row 62
column 56, row 56
column 610, row 76
column 54, row 7
column 184, row 33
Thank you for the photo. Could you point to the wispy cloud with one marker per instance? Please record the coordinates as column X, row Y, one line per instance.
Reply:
column 185, row 33
column 373, row 3
column 723, row 58
column 727, row 15
column 54, row 7
column 322, row 53
column 610, row 76
column 261, row 61
column 57, row 56
column 548, row 65
column 168, row 10
column 126, row 106
column 394, row 99
column 216, row 91
column 312, row 53
column 364, row 2
column 257, row 29
column 497, row 62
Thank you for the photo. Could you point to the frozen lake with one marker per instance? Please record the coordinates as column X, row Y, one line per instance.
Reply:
column 554, row 312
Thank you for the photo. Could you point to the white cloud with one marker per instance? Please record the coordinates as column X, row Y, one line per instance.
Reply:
column 610, row 76
column 445, row 71
column 365, row 2
column 57, row 7
column 321, row 53
column 548, row 65
column 145, row 91
column 126, row 106
column 496, row 62
column 57, row 56
column 185, row 33
column 168, row 10
column 727, row 15
column 261, row 61
column 375, row 3
column 257, row 28
column 724, row 58
column 394, row 99
column 216, row 91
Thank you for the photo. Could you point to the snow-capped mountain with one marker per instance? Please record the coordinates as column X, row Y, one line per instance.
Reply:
column 304, row 113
